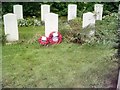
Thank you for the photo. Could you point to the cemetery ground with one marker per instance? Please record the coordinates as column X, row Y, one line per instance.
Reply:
column 26, row 63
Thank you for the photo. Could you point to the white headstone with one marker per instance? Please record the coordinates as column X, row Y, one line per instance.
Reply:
column 98, row 8
column 11, row 27
column 18, row 10
column 51, row 23
column 89, row 20
column 72, row 11
column 44, row 10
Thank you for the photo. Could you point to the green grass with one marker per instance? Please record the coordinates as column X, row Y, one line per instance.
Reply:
column 28, row 32
column 28, row 64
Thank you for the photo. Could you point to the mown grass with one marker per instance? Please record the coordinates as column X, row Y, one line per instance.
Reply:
column 28, row 64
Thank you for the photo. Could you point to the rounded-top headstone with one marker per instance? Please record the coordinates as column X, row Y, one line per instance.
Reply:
column 88, row 19
column 44, row 10
column 51, row 23
column 98, row 8
column 72, row 11
column 11, row 27
column 18, row 10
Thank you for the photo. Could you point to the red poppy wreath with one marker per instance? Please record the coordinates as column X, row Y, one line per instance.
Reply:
column 43, row 40
column 55, row 38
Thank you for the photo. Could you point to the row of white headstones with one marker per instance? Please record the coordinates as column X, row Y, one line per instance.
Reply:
column 50, row 19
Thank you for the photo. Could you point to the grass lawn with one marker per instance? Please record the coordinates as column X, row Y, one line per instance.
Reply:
column 28, row 64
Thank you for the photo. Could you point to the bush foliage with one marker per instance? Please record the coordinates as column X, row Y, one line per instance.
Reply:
column 33, row 9
column 105, row 30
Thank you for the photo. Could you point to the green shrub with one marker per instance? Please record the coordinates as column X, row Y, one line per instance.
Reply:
column 71, row 30
column 105, row 30
column 75, row 24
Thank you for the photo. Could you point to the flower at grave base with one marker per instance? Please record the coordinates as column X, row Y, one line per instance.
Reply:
column 55, row 38
column 43, row 40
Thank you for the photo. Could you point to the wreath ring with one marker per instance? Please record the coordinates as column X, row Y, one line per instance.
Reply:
column 43, row 40
column 58, row 35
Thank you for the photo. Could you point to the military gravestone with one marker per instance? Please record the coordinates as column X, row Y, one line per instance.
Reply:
column 18, row 10
column 51, row 23
column 44, row 10
column 89, row 21
column 98, row 8
column 11, row 27
column 72, row 11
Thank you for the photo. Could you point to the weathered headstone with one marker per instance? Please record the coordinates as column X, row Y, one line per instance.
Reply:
column 44, row 10
column 89, row 21
column 72, row 11
column 51, row 23
column 98, row 8
column 18, row 10
column 11, row 27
